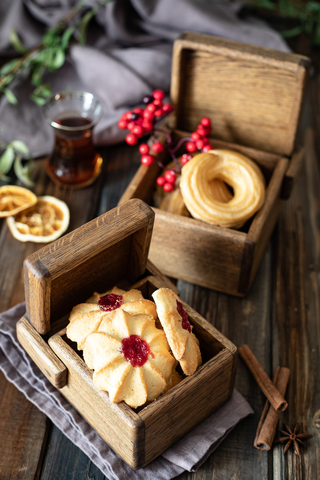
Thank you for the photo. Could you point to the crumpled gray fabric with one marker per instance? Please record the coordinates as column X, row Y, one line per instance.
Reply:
column 187, row 454
column 127, row 56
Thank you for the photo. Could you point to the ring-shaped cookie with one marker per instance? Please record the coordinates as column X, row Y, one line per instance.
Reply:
column 237, row 171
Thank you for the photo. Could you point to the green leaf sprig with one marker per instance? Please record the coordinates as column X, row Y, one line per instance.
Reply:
column 307, row 14
column 12, row 156
column 49, row 55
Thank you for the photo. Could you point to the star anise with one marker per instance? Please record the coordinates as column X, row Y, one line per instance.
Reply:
column 292, row 437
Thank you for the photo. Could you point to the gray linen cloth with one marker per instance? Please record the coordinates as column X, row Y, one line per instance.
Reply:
column 187, row 454
column 128, row 54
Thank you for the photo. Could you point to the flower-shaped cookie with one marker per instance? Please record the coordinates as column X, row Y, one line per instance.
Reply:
column 85, row 318
column 130, row 358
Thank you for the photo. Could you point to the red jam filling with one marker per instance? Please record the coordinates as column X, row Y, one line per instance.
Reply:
column 135, row 350
column 183, row 314
column 109, row 302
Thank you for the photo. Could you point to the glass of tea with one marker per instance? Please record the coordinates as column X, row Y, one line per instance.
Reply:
column 74, row 161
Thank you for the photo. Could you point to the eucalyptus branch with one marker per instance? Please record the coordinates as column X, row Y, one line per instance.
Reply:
column 306, row 13
column 48, row 55
column 19, row 63
column 12, row 156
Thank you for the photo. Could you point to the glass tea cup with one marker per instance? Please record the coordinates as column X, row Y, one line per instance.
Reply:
column 74, row 161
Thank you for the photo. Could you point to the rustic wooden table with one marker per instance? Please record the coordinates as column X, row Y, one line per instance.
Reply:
column 279, row 320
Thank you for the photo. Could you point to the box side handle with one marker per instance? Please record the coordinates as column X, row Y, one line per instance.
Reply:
column 37, row 287
column 292, row 173
column 41, row 353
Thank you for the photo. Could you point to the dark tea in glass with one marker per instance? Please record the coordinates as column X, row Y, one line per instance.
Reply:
column 74, row 161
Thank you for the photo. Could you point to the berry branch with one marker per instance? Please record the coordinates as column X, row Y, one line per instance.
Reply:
column 142, row 121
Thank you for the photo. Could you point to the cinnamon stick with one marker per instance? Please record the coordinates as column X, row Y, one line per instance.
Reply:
column 265, row 409
column 269, row 419
column 263, row 380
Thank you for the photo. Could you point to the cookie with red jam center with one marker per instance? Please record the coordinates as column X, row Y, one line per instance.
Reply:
column 85, row 318
column 178, row 329
column 130, row 358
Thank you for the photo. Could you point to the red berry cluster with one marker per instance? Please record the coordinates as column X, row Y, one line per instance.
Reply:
column 168, row 180
column 146, row 157
column 199, row 141
column 141, row 121
column 199, row 138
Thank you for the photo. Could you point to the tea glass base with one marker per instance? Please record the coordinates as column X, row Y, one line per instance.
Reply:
column 96, row 172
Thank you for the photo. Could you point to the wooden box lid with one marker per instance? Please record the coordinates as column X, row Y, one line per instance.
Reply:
column 94, row 257
column 252, row 95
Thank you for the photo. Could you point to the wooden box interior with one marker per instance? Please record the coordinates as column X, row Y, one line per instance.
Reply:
column 252, row 95
column 140, row 435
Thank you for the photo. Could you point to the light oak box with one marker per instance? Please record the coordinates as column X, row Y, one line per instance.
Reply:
column 253, row 97
column 112, row 250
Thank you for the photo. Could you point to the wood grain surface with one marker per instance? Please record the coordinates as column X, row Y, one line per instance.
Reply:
column 252, row 95
column 279, row 320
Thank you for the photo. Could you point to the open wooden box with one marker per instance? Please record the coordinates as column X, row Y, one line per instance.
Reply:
column 113, row 250
column 253, row 97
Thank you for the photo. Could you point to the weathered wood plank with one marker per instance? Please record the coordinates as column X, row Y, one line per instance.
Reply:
column 23, row 431
column 296, row 322
column 63, row 460
column 23, row 438
column 22, row 425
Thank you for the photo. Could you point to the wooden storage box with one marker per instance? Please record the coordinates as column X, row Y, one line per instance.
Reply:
column 113, row 250
column 253, row 97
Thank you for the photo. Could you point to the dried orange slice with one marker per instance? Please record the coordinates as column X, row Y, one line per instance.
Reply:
column 44, row 222
column 14, row 199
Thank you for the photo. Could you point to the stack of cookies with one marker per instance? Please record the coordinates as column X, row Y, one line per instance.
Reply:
column 137, row 349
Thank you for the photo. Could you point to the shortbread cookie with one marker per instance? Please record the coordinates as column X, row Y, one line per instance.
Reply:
column 146, row 307
column 116, row 294
column 178, row 330
column 173, row 380
column 131, row 301
column 130, row 358
column 82, row 326
column 85, row 318
column 236, row 170
column 191, row 359
column 81, row 309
